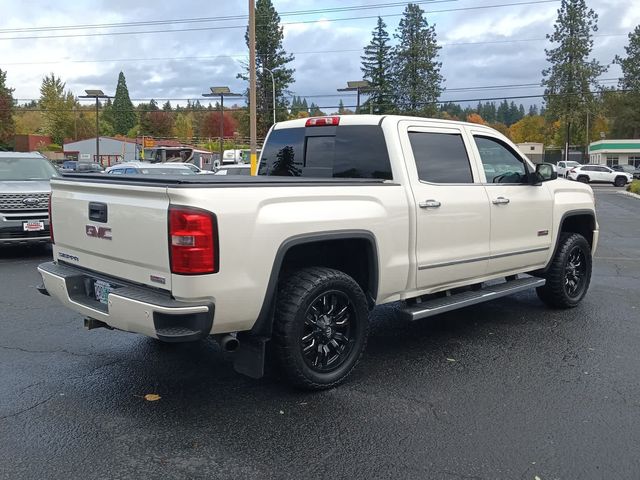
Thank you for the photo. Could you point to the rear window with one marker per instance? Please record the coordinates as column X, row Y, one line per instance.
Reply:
column 349, row 151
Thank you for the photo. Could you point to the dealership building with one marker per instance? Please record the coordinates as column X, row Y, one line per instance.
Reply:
column 615, row 152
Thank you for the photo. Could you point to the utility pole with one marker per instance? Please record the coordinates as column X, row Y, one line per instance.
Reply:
column 97, row 94
column 253, row 127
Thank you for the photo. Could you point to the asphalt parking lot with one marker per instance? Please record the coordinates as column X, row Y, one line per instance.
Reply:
column 504, row 390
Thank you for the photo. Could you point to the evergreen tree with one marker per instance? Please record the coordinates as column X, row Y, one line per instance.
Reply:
column 521, row 112
column 184, row 127
column 7, row 124
column 167, row 106
column 124, row 117
column 626, row 123
column 57, row 108
column 533, row 110
column 416, row 70
column 502, row 113
column 341, row 107
column 377, row 70
column 304, row 106
column 571, row 75
column 107, row 119
column 269, row 55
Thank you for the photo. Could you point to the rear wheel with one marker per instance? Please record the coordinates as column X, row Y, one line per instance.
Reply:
column 620, row 181
column 569, row 275
column 320, row 327
column 583, row 179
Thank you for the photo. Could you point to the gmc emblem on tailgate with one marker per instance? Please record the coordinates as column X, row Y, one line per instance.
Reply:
column 98, row 232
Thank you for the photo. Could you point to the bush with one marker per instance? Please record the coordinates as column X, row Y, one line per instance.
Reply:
column 634, row 187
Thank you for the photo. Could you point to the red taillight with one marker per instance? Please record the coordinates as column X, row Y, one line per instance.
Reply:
column 322, row 121
column 193, row 241
column 50, row 221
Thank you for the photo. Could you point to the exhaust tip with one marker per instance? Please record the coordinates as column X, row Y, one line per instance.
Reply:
column 229, row 343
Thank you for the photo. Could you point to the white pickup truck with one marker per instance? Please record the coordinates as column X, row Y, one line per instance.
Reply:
column 346, row 213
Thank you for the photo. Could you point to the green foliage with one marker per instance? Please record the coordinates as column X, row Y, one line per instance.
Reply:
column 571, row 75
column 634, row 187
column 58, row 108
column 416, row 70
column 269, row 55
column 184, row 127
column 625, row 106
column 7, row 123
column 377, row 70
column 124, row 117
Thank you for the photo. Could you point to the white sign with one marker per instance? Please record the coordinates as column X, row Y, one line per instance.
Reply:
column 85, row 156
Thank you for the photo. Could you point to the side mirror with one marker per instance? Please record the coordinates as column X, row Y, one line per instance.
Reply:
column 544, row 172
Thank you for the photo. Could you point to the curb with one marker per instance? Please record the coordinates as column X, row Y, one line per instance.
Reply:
column 629, row 194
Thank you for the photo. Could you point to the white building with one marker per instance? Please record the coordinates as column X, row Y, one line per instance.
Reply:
column 533, row 151
column 615, row 152
column 112, row 150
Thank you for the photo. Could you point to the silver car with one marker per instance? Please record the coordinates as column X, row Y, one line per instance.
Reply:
column 24, row 198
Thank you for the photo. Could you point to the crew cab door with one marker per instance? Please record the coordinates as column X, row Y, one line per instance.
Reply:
column 521, row 213
column 451, row 206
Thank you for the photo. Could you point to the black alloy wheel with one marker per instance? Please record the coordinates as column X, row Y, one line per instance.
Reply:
column 575, row 272
column 320, row 328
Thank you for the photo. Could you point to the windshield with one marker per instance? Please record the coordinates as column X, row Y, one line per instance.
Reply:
column 18, row 169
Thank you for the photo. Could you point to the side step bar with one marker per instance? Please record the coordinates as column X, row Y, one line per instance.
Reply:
column 437, row 306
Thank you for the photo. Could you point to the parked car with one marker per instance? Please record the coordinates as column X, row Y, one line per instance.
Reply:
column 624, row 168
column 599, row 174
column 142, row 168
column 73, row 166
column 194, row 168
column 636, row 173
column 242, row 169
column 339, row 219
column 565, row 166
column 24, row 197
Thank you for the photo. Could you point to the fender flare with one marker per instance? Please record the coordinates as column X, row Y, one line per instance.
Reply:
column 263, row 325
column 565, row 215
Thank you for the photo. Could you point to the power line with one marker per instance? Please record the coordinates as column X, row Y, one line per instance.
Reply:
column 310, row 52
column 216, row 19
column 228, row 27
column 336, row 95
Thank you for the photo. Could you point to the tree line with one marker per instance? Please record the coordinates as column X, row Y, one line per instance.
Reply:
column 403, row 75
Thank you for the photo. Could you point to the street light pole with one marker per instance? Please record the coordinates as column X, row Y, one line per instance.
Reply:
column 97, row 94
column 253, row 127
column 221, row 92
column 273, row 84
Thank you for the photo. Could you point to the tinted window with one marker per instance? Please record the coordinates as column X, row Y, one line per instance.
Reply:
column 130, row 170
column 351, row 151
column 440, row 157
column 501, row 164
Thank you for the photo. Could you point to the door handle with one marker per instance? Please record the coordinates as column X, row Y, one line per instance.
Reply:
column 501, row 201
column 429, row 204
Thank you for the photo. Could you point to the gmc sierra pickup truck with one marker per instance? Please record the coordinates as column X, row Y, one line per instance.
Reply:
column 346, row 213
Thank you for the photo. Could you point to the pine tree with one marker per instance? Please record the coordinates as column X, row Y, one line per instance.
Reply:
column 57, row 108
column 167, row 106
column 124, row 117
column 341, row 107
column 571, row 76
column 7, row 124
column 304, row 106
column 416, row 70
column 377, row 70
column 533, row 110
column 502, row 114
column 269, row 55
column 626, row 123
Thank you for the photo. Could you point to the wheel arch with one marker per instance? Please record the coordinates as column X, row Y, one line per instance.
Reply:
column 310, row 250
column 574, row 221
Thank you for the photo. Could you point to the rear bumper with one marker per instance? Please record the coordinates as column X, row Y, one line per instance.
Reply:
column 129, row 308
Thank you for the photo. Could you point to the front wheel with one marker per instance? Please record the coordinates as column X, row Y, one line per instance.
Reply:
column 569, row 274
column 619, row 182
column 583, row 179
column 321, row 326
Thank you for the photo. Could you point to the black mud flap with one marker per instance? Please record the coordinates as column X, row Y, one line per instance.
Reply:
column 249, row 358
column 41, row 288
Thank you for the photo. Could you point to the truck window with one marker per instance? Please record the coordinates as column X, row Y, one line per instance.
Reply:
column 346, row 151
column 440, row 157
column 505, row 166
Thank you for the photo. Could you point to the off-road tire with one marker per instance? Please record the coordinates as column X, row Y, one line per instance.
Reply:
column 619, row 181
column 296, row 295
column 556, row 293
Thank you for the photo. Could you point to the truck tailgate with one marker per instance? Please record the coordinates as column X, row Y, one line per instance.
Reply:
column 115, row 229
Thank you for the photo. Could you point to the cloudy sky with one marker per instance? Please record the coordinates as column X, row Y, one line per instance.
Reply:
column 489, row 46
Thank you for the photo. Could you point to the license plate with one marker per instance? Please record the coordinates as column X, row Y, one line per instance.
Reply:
column 102, row 290
column 33, row 226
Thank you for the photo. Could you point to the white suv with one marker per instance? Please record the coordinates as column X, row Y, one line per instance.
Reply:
column 599, row 174
column 564, row 167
